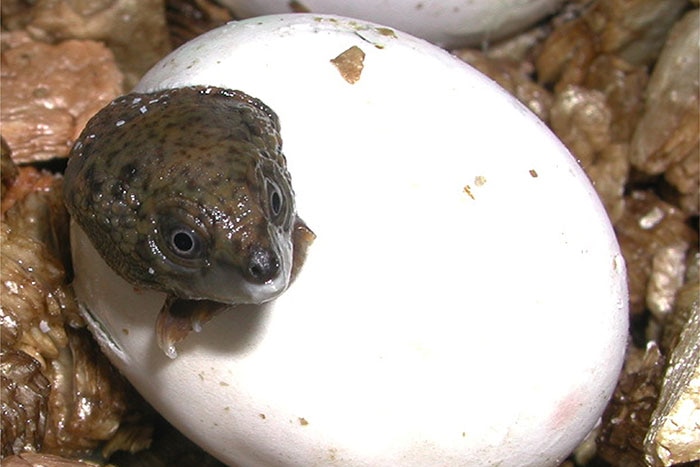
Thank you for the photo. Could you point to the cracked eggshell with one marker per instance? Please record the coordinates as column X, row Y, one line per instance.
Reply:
column 449, row 23
column 464, row 302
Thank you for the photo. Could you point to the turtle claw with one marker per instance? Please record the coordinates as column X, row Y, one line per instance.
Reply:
column 179, row 317
column 302, row 238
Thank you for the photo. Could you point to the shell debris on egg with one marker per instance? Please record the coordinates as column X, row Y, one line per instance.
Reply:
column 464, row 302
column 448, row 23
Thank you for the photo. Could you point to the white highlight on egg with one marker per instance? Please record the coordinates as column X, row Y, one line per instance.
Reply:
column 464, row 302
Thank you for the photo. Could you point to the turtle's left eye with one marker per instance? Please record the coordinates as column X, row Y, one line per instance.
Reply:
column 275, row 198
column 182, row 237
column 186, row 243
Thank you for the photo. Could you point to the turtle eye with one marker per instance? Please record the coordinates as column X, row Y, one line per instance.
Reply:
column 182, row 238
column 275, row 198
column 185, row 243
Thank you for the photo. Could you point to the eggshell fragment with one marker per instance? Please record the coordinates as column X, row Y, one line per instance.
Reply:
column 450, row 23
column 464, row 302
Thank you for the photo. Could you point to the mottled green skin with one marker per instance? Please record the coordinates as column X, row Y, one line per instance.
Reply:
column 201, row 158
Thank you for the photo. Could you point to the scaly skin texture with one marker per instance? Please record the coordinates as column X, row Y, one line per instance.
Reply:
column 186, row 191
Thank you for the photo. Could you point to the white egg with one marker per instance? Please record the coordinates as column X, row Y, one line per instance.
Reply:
column 449, row 23
column 464, row 302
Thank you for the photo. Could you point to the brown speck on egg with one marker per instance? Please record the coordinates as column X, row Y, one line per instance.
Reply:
column 386, row 32
column 468, row 190
column 350, row 64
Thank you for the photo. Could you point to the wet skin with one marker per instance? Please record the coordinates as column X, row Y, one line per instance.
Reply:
column 186, row 191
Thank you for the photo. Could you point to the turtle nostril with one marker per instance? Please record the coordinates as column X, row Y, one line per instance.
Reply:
column 263, row 265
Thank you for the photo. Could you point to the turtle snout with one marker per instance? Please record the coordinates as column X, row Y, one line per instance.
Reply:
column 263, row 265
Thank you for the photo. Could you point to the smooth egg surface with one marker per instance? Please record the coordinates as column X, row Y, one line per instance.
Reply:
column 464, row 302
